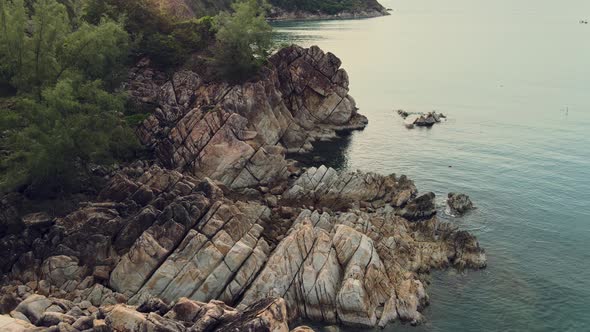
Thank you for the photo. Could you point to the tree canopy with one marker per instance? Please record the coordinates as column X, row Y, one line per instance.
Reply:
column 243, row 39
column 58, row 114
column 61, row 65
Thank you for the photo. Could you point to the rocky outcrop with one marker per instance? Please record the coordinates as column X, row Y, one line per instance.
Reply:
column 421, row 119
column 239, row 134
column 420, row 208
column 459, row 203
column 356, row 267
column 222, row 215
column 326, row 187
column 356, row 263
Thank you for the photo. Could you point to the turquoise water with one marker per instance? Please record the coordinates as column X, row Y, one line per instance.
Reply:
column 514, row 79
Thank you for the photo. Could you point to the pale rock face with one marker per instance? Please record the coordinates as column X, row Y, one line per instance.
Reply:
column 357, row 266
column 60, row 269
column 326, row 187
column 8, row 323
column 125, row 319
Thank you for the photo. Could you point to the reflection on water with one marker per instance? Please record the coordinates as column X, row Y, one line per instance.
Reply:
column 331, row 153
column 504, row 72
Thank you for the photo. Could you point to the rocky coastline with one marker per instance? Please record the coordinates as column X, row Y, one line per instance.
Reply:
column 221, row 232
column 280, row 15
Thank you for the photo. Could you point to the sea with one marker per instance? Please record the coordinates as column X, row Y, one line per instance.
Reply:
column 513, row 78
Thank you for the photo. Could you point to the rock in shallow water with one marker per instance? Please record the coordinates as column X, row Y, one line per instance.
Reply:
column 459, row 203
column 420, row 208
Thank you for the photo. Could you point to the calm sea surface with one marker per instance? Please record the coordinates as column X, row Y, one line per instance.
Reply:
column 514, row 79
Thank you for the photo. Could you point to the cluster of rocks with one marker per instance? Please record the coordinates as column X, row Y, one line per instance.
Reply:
column 43, row 314
column 224, row 216
column 421, row 119
column 162, row 234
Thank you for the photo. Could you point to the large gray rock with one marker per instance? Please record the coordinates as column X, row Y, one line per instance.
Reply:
column 33, row 307
column 59, row 269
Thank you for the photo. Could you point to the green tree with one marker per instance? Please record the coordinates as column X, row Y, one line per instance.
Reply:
column 56, row 47
column 51, row 141
column 62, row 116
column 157, row 34
column 50, row 25
column 12, row 40
column 97, row 51
column 243, row 40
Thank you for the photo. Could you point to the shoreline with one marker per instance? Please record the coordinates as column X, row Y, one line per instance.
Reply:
column 223, row 215
column 305, row 16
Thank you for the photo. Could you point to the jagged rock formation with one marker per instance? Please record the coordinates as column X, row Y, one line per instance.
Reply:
column 224, row 216
column 239, row 134
column 421, row 119
column 168, row 235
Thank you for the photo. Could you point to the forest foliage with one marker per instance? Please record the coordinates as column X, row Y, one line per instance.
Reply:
column 62, row 63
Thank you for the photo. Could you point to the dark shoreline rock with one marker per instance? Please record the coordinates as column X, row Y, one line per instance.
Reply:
column 459, row 203
column 420, row 119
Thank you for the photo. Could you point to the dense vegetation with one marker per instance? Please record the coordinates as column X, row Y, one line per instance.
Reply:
column 244, row 40
column 58, row 114
column 62, row 62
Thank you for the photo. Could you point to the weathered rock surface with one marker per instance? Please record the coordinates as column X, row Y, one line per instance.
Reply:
column 459, row 203
column 353, row 256
column 222, row 219
column 8, row 323
column 420, row 208
column 239, row 134
column 269, row 314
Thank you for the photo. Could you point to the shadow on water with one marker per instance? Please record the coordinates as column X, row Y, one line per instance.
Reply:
column 331, row 153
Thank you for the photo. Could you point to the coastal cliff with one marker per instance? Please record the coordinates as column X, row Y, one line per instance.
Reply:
column 222, row 218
